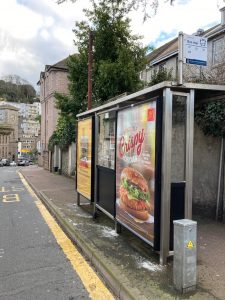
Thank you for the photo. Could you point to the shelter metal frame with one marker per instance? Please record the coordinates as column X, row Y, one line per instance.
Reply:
column 191, row 91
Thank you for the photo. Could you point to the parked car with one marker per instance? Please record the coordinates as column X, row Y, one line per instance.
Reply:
column 23, row 163
column 6, row 162
column 13, row 164
column 1, row 164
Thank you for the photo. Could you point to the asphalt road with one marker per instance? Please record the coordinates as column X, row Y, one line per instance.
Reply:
column 32, row 265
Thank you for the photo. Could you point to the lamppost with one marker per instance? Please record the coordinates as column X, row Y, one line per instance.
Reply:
column 90, row 63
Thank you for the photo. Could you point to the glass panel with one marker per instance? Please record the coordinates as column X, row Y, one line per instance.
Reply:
column 106, row 140
column 178, row 146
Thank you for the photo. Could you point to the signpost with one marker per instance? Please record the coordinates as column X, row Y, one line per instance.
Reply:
column 192, row 50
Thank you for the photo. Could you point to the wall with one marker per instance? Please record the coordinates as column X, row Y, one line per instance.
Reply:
column 40, row 160
column 57, row 82
column 45, row 157
column 205, row 173
column 206, row 155
column 68, row 160
column 54, row 80
column 72, row 159
column 170, row 65
column 65, row 162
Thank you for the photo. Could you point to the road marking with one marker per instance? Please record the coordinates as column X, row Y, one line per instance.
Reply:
column 27, row 186
column 17, row 189
column 3, row 190
column 10, row 198
column 13, row 189
column 93, row 284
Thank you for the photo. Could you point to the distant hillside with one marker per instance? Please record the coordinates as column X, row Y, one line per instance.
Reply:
column 15, row 89
column 15, row 79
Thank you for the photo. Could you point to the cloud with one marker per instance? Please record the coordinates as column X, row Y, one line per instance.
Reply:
column 16, row 20
column 186, row 16
column 34, row 33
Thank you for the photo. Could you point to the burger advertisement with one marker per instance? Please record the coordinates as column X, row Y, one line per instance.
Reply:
column 135, row 169
column 84, row 145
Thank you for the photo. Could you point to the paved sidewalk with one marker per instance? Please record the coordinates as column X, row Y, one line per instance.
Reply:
column 128, row 265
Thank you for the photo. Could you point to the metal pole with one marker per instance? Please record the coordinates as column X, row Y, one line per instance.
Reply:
column 96, row 120
column 166, row 176
column 90, row 62
column 219, row 179
column 180, row 58
column 78, row 198
column 189, row 154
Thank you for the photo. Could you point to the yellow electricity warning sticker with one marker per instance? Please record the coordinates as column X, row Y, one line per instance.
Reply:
column 190, row 245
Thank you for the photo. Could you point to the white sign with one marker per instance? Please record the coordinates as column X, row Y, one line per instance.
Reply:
column 194, row 50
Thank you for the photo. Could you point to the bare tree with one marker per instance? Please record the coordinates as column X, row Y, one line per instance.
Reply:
column 148, row 7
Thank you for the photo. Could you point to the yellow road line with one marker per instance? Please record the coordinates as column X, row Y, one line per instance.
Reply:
column 93, row 284
column 27, row 186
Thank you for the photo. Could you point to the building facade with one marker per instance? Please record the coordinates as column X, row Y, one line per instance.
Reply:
column 8, row 131
column 28, row 128
column 53, row 79
column 166, row 58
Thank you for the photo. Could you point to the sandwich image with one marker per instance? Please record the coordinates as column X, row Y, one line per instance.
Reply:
column 134, row 194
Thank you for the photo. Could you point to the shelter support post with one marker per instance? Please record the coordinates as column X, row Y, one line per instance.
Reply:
column 189, row 154
column 78, row 199
column 96, row 121
column 166, row 176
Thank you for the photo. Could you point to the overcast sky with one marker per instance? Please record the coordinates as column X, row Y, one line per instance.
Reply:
column 34, row 33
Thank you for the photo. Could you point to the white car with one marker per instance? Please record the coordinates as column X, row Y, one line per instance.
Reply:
column 13, row 164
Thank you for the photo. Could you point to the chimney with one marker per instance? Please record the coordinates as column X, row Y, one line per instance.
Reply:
column 222, row 10
column 199, row 32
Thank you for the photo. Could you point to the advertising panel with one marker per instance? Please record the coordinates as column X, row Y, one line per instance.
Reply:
column 135, row 169
column 84, row 152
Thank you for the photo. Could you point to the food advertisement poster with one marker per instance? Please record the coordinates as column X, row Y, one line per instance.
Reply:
column 135, row 169
column 84, row 149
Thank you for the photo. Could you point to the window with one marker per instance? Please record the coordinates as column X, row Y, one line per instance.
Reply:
column 162, row 67
column 106, row 142
column 218, row 51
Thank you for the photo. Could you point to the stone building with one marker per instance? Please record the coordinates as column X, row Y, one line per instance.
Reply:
column 52, row 79
column 28, row 127
column 8, row 131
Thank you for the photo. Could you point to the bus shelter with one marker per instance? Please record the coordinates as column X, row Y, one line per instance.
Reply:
column 135, row 159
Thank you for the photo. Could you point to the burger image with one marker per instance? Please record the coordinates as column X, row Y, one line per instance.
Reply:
column 134, row 194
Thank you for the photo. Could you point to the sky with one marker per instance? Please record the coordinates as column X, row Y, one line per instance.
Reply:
column 35, row 33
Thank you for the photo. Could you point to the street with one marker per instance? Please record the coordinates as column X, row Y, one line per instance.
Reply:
column 32, row 264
